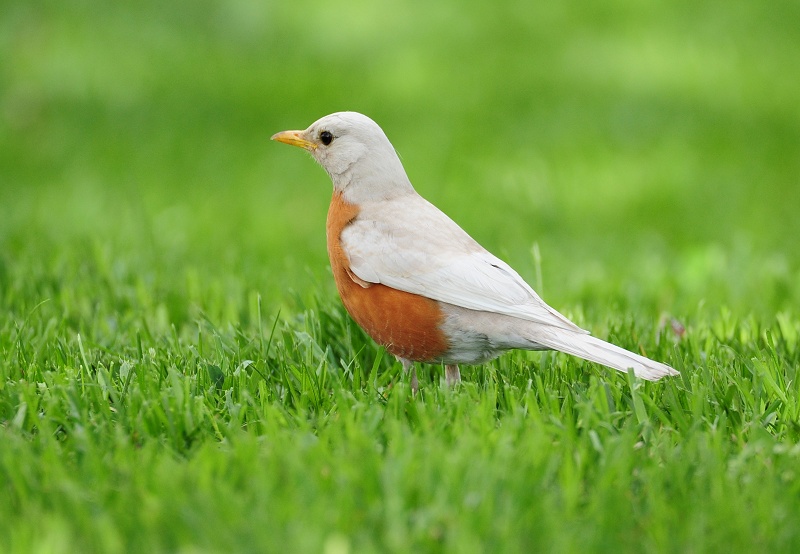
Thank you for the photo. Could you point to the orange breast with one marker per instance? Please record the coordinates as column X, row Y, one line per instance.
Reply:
column 407, row 325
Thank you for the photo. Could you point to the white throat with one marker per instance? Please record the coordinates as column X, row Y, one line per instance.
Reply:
column 375, row 174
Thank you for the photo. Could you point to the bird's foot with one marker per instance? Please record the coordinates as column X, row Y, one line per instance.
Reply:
column 452, row 375
column 409, row 366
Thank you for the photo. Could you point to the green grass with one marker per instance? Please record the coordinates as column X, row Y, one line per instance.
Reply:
column 177, row 374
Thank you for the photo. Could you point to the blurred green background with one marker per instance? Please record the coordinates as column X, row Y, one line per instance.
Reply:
column 150, row 234
column 650, row 150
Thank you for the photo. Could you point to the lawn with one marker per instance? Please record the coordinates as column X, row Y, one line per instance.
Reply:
column 177, row 373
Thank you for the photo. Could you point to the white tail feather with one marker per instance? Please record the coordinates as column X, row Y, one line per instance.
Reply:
column 607, row 354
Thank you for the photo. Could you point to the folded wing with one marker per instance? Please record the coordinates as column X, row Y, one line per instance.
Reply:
column 410, row 245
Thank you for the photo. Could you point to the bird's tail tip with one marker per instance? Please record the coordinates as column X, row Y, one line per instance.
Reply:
column 653, row 371
column 602, row 352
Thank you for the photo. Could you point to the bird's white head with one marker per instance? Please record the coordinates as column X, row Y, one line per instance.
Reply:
column 355, row 152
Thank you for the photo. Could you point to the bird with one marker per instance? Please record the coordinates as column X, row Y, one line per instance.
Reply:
column 415, row 281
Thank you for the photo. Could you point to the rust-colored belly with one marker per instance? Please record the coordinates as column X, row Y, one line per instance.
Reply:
column 406, row 324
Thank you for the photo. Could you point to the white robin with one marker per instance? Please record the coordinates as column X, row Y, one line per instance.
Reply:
column 415, row 281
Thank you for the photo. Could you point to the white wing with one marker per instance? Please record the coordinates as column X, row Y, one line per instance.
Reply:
column 409, row 244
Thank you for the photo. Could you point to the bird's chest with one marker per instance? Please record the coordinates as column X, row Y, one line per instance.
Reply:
column 408, row 325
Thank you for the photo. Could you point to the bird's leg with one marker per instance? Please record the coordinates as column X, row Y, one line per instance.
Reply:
column 408, row 365
column 451, row 375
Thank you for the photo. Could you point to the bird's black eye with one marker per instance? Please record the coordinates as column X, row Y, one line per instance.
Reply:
column 326, row 137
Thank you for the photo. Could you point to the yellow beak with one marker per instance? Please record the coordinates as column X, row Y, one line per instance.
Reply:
column 295, row 138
